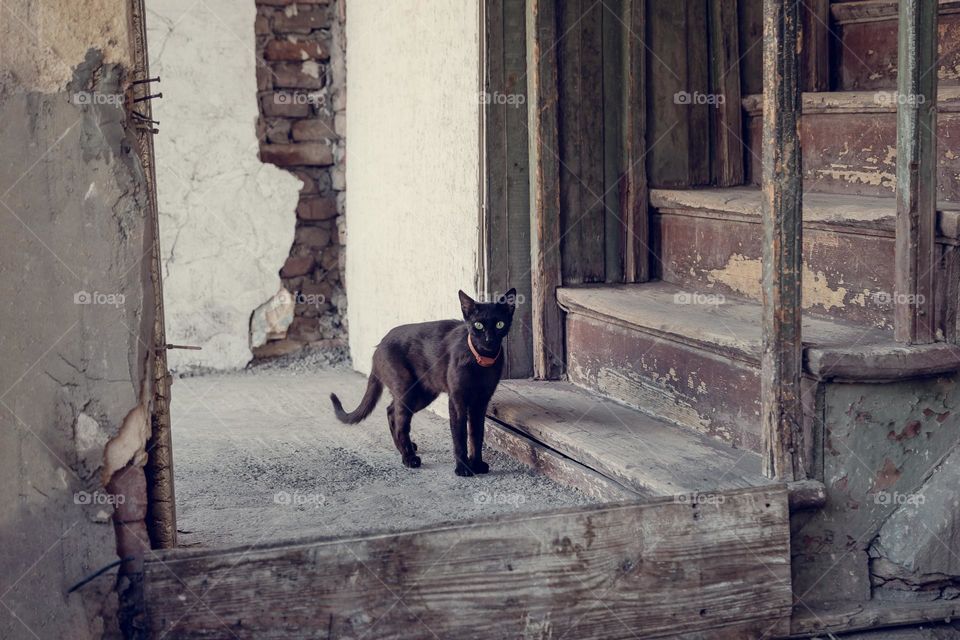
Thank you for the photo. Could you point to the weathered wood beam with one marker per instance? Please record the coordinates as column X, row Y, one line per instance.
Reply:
column 914, row 299
column 727, row 115
column 506, row 249
column 661, row 568
column 782, row 185
column 636, row 210
column 544, row 189
column 161, row 517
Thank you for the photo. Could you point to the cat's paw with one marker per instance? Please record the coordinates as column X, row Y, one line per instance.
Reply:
column 479, row 466
column 411, row 461
column 463, row 470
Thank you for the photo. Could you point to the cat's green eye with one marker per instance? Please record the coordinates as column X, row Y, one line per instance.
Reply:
column 500, row 324
column 478, row 325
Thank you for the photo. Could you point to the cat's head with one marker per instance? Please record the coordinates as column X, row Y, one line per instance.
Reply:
column 488, row 322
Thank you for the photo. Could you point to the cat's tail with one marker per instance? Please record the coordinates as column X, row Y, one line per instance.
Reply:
column 368, row 404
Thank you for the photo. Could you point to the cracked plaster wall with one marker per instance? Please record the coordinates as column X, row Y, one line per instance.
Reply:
column 226, row 219
column 77, row 314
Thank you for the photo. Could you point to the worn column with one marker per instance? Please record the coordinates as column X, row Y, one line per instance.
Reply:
column 914, row 317
column 781, row 361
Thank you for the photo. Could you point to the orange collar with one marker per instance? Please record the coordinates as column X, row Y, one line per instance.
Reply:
column 483, row 361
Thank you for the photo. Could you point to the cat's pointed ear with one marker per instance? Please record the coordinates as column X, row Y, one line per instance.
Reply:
column 467, row 304
column 509, row 299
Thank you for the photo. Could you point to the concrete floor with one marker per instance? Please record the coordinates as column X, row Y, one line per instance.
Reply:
column 259, row 456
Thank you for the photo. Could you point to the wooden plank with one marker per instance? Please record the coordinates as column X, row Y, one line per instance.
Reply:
column 729, row 326
column 581, row 118
column 722, row 254
column 572, row 194
column 843, row 617
column 806, row 494
column 781, row 358
column 852, row 147
column 668, row 128
column 867, row 49
column 556, row 466
column 547, row 322
column 712, row 394
column 636, row 210
column 698, row 82
column 751, row 49
column 815, row 61
column 678, row 118
column 519, row 362
column 886, row 362
column 819, row 210
column 614, row 102
column 662, row 568
column 914, row 303
column 727, row 116
column 832, row 348
column 636, row 450
column 507, row 210
column 948, row 292
column 592, row 221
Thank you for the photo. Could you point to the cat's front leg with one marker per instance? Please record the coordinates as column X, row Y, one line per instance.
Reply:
column 478, row 414
column 458, row 430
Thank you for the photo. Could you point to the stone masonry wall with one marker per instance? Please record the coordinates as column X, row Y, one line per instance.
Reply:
column 301, row 85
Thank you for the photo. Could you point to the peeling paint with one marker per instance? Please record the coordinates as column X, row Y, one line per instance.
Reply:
column 743, row 275
column 871, row 176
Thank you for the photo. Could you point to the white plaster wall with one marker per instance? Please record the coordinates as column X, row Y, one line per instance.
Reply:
column 412, row 164
column 226, row 219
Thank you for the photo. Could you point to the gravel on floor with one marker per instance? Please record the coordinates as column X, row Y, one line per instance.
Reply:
column 259, row 456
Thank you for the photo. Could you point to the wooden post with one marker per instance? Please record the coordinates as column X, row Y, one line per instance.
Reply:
column 544, row 188
column 781, row 360
column 506, row 222
column 161, row 517
column 914, row 300
column 727, row 113
column 636, row 198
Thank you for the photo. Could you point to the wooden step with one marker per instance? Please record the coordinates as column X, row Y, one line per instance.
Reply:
column 865, row 47
column 850, row 142
column 711, row 239
column 693, row 357
column 646, row 455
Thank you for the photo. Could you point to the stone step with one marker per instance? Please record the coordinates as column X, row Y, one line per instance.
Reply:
column 711, row 240
column 850, row 142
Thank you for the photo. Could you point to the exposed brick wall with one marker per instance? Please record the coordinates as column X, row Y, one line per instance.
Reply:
column 301, row 88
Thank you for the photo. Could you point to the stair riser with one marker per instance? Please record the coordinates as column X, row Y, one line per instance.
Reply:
column 846, row 275
column 867, row 53
column 710, row 393
column 855, row 153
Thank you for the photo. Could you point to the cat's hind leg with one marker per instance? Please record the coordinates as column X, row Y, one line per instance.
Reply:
column 400, row 430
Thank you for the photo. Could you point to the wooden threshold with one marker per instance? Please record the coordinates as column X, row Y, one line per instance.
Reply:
column 651, row 569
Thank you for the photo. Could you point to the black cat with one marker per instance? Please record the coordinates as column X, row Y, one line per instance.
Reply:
column 417, row 362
